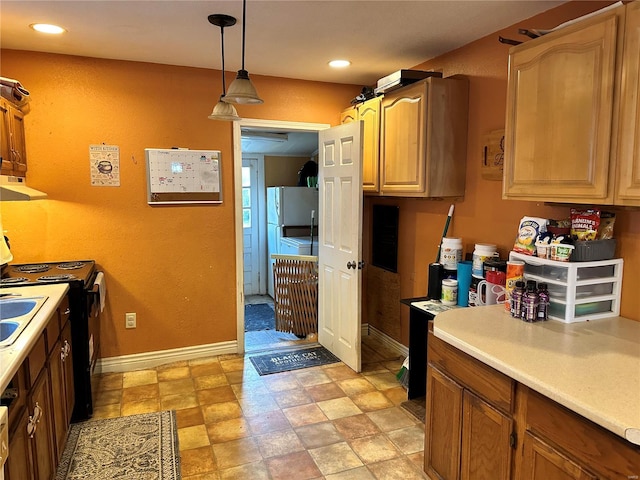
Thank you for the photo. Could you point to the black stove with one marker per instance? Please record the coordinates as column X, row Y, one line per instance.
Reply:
column 84, row 315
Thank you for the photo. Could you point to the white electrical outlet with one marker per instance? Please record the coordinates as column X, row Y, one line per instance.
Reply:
column 130, row 320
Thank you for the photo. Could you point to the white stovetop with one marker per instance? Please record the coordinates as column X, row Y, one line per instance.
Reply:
column 592, row 368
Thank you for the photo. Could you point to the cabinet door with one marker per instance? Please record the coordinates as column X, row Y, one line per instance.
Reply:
column 18, row 466
column 65, row 341
column 5, row 135
column 559, row 114
column 17, row 141
column 486, row 436
column 541, row 462
column 402, row 145
column 442, row 426
column 628, row 187
column 59, row 397
column 349, row 115
column 42, row 441
column 369, row 113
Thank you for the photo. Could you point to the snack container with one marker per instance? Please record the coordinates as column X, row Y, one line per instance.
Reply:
column 593, row 250
column 561, row 252
column 578, row 291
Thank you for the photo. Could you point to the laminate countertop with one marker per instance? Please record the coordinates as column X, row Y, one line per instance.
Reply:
column 592, row 368
column 12, row 356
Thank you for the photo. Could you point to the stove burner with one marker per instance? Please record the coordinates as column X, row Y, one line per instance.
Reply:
column 11, row 281
column 70, row 266
column 36, row 268
column 56, row 278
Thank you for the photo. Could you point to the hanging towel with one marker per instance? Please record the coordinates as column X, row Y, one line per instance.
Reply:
column 102, row 289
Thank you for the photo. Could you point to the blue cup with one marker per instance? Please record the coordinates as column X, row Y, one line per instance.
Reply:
column 464, row 282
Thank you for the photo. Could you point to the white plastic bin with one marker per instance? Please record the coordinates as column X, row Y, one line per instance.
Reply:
column 578, row 291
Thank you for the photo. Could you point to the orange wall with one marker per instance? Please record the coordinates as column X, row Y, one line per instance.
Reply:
column 174, row 266
column 482, row 216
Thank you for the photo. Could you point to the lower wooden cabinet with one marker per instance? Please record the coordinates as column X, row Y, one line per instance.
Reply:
column 542, row 462
column 465, row 437
column 19, row 463
column 482, row 425
column 40, row 427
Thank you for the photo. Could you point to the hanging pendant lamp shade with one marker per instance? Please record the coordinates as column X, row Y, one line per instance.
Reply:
column 223, row 110
column 241, row 90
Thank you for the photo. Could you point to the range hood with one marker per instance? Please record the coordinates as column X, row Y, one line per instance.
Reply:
column 15, row 189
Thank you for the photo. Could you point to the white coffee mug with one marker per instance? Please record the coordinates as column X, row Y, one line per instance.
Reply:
column 490, row 293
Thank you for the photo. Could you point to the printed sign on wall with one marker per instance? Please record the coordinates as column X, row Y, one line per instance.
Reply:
column 104, row 162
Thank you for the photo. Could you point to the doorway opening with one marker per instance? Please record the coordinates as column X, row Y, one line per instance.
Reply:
column 267, row 153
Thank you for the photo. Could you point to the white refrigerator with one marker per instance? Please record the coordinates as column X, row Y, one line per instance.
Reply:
column 288, row 214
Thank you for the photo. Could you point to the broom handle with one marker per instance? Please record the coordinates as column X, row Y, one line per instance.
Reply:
column 444, row 232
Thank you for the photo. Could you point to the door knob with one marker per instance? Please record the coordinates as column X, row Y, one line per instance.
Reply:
column 351, row 265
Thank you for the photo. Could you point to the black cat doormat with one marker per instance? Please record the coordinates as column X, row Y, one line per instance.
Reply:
column 277, row 362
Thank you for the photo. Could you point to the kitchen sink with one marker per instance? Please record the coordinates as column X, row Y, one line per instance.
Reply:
column 15, row 315
column 16, row 308
column 8, row 328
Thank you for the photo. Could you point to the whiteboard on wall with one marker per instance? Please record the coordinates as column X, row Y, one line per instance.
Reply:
column 177, row 176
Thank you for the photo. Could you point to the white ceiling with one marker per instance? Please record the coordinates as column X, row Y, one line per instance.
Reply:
column 286, row 38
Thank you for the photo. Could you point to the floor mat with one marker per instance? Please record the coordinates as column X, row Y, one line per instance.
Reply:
column 259, row 316
column 277, row 362
column 137, row 446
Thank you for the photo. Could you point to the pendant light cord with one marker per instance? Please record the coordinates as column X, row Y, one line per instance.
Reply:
column 224, row 86
column 244, row 22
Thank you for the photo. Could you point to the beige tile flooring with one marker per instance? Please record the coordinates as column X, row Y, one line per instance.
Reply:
column 322, row 422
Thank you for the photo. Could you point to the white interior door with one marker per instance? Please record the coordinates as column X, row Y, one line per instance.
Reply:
column 340, row 241
column 251, row 226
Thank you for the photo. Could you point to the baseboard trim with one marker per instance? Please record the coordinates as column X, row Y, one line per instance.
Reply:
column 138, row 361
column 385, row 339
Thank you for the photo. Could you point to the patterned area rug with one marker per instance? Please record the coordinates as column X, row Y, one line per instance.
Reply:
column 137, row 447
column 284, row 361
column 259, row 316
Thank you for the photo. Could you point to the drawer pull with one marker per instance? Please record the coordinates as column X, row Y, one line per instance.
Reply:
column 67, row 311
column 31, row 427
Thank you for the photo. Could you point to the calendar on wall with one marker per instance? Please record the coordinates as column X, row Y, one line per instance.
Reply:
column 176, row 176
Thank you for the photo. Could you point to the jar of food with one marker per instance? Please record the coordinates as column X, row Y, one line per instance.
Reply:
column 451, row 253
column 482, row 252
column 449, row 292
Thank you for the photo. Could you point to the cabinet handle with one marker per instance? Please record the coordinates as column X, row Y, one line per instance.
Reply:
column 67, row 349
column 67, row 311
column 31, row 427
column 63, row 354
column 37, row 412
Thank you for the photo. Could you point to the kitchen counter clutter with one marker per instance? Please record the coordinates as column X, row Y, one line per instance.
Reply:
column 592, row 368
column 12, row 356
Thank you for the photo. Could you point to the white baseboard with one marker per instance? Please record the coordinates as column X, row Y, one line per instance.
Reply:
column 138, row 361
column 385, row 339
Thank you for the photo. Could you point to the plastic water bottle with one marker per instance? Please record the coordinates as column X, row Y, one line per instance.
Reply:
column 543, row 302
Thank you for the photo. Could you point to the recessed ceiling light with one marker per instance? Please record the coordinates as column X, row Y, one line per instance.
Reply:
column 47, row 28
column 339, row 63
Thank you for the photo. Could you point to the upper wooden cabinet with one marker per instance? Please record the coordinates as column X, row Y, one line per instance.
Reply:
column 12, row 140
column 423, row 142
column 369, row 113
column 628, row 186
column 571, row 121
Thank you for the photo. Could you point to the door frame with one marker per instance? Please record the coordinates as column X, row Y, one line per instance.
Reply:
column 237, row 175
column 261, row 212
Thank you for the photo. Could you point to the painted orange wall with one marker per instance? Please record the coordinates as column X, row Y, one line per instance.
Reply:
column 482, row 216
column 174, row 266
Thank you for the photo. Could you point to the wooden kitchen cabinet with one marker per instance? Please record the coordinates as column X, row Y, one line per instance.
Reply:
column 572, row 127
column 628, row 158
column 42, row 440
column 19, row 463
column 481, row 424
column 12, row 140
column 468, row 427
column 423, row 139
column 369, row 113
column 542, row 462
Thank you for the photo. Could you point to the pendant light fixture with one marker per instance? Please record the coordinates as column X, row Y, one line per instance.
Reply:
column 223, row 110
column 241, row 89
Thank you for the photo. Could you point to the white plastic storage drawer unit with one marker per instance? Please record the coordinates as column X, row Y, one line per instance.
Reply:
column 578, row 291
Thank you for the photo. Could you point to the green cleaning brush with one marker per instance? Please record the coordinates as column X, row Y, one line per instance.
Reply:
column 403, row 374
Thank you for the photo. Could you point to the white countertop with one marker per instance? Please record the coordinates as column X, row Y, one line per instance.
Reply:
column 12, row 356
column 592, row 368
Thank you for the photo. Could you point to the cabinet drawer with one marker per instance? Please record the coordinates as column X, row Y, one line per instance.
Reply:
column 36, row 360
column 591, row 445
column 493, row 386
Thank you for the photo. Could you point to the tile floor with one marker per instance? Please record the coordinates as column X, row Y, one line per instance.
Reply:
column 317, row 423
column 271, row 339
